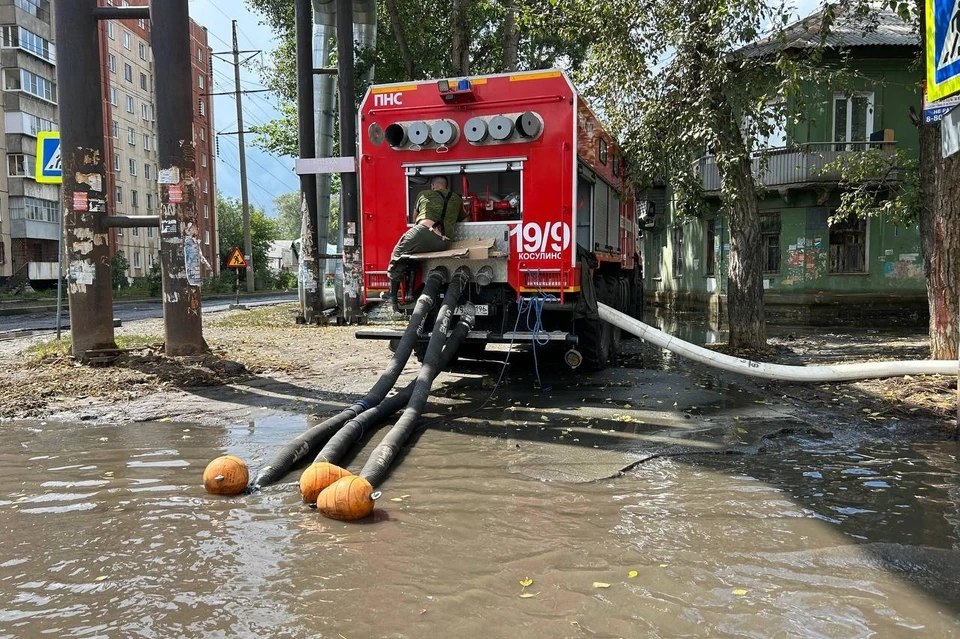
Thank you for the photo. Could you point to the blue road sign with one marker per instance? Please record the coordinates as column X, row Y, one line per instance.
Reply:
column 943, row 48
column 49, row 169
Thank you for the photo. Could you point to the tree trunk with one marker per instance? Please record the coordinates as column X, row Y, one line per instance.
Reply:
column 511, row 36
column 943, row 280
column 460, row 47
column 398, row 32
column 939, row 233
column 745, row 314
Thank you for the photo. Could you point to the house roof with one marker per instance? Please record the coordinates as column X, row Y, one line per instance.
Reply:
column 882, row 27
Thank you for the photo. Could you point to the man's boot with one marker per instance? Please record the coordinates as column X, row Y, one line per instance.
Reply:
column 395, row 295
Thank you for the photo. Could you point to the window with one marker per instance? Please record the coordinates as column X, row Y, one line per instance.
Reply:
column 136, row 257
column 852, row 117
column 602, row 153
column 150, row 235
column 135, row 232
column 119, row 197
column 203, row 134
column 146, row 170
column 116, row 161
column 30, row 6
column 16, row 165
column 200, row 80
column 113, row 96
column 129, row 104
column 677, row 251
column 199, row 54
column 142, row 24
column 710, row 254
column 203, row 160
column 32, row 208
column 146, row 141
column 201, row 107
column 770, row 241
column 29, row 83
column 119, row 232
column 616, row 165
column 206, row 238
column 143, row 81
column 131, row 135
column 848, row 246
column 134, row 200
column 206, row 211
column 127, row 72
column 110, row 32
column 655, row 263
column 27, row 123
column 205, row 185
column 112, row 63
column 149, row 202
column 145, row 111
column 133, row 171
column 127, row 40
column 115, row 128
column 143, row 50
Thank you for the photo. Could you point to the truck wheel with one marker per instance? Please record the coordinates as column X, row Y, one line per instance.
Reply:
column 594, row 339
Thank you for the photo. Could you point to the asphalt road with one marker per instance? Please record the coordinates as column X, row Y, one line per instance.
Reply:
column 128, row 312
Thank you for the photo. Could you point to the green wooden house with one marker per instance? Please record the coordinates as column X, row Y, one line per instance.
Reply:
column 859, row 272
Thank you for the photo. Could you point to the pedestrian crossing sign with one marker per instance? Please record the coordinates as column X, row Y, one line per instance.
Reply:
column 943, row 48
column 236, row 259
column 49, row 170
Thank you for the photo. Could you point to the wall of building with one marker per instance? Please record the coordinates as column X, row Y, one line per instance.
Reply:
column 204, row 141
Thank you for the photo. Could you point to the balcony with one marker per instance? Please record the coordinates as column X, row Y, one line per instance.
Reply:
column 793, row 167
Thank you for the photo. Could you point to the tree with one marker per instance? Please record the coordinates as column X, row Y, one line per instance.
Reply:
column 119, row 265
column 263, row 231
column 290, row 219
column 491, row 36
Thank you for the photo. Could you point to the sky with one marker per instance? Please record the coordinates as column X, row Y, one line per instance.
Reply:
column 268, row 175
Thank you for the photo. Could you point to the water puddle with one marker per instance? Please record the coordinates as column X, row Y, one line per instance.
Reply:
column 107, row 533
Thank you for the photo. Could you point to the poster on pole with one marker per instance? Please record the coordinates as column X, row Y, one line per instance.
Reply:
column 943, row 48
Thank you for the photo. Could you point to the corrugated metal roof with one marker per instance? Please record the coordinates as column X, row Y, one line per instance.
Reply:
column 882, row 27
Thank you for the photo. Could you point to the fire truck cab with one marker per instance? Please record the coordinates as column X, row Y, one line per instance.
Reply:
column 551, row 225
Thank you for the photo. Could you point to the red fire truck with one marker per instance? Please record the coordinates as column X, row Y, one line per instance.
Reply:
column 552, row 221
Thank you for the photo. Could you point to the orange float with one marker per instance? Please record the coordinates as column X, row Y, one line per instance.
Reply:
column 346, row 499
column 317, row 477
column 227, row 475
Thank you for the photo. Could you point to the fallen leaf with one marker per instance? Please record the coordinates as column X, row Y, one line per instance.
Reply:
column 100, row 578
column 600, row 584
column 526, row 582
column 526, row 595
column 632, row 574
column 739, row 592
column 396, row 499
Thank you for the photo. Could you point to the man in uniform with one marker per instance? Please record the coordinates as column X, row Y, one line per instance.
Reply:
column 436, row 212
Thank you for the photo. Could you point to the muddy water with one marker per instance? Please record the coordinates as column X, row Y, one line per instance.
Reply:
column 106, row 532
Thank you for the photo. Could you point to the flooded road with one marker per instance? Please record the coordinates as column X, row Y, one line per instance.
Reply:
column 107, row 532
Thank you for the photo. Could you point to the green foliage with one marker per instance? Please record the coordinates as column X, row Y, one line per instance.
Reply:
column 875, row 182
column 289, row 220
column 118, row 271
column 425, row 28
column 155, row 280
column 263, row 231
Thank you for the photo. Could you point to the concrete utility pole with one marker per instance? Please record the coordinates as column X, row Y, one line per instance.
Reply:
column 244, row 201
column 84, row 177
column 349, row 218
column 179, row 241
column 311, row 278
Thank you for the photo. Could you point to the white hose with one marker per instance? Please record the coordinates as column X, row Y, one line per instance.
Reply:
column 833, row 373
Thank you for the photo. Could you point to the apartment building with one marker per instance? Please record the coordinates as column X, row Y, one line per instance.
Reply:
column 29, row 212
column 131, row 137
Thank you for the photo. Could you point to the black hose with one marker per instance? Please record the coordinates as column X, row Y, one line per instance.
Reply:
column 353, row 431
column 303, row 444
column 378, row 465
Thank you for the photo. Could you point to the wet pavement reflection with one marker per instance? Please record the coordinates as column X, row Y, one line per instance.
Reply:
column 107, row 533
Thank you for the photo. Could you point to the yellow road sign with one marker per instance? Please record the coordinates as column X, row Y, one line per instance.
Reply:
column 236, row 260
